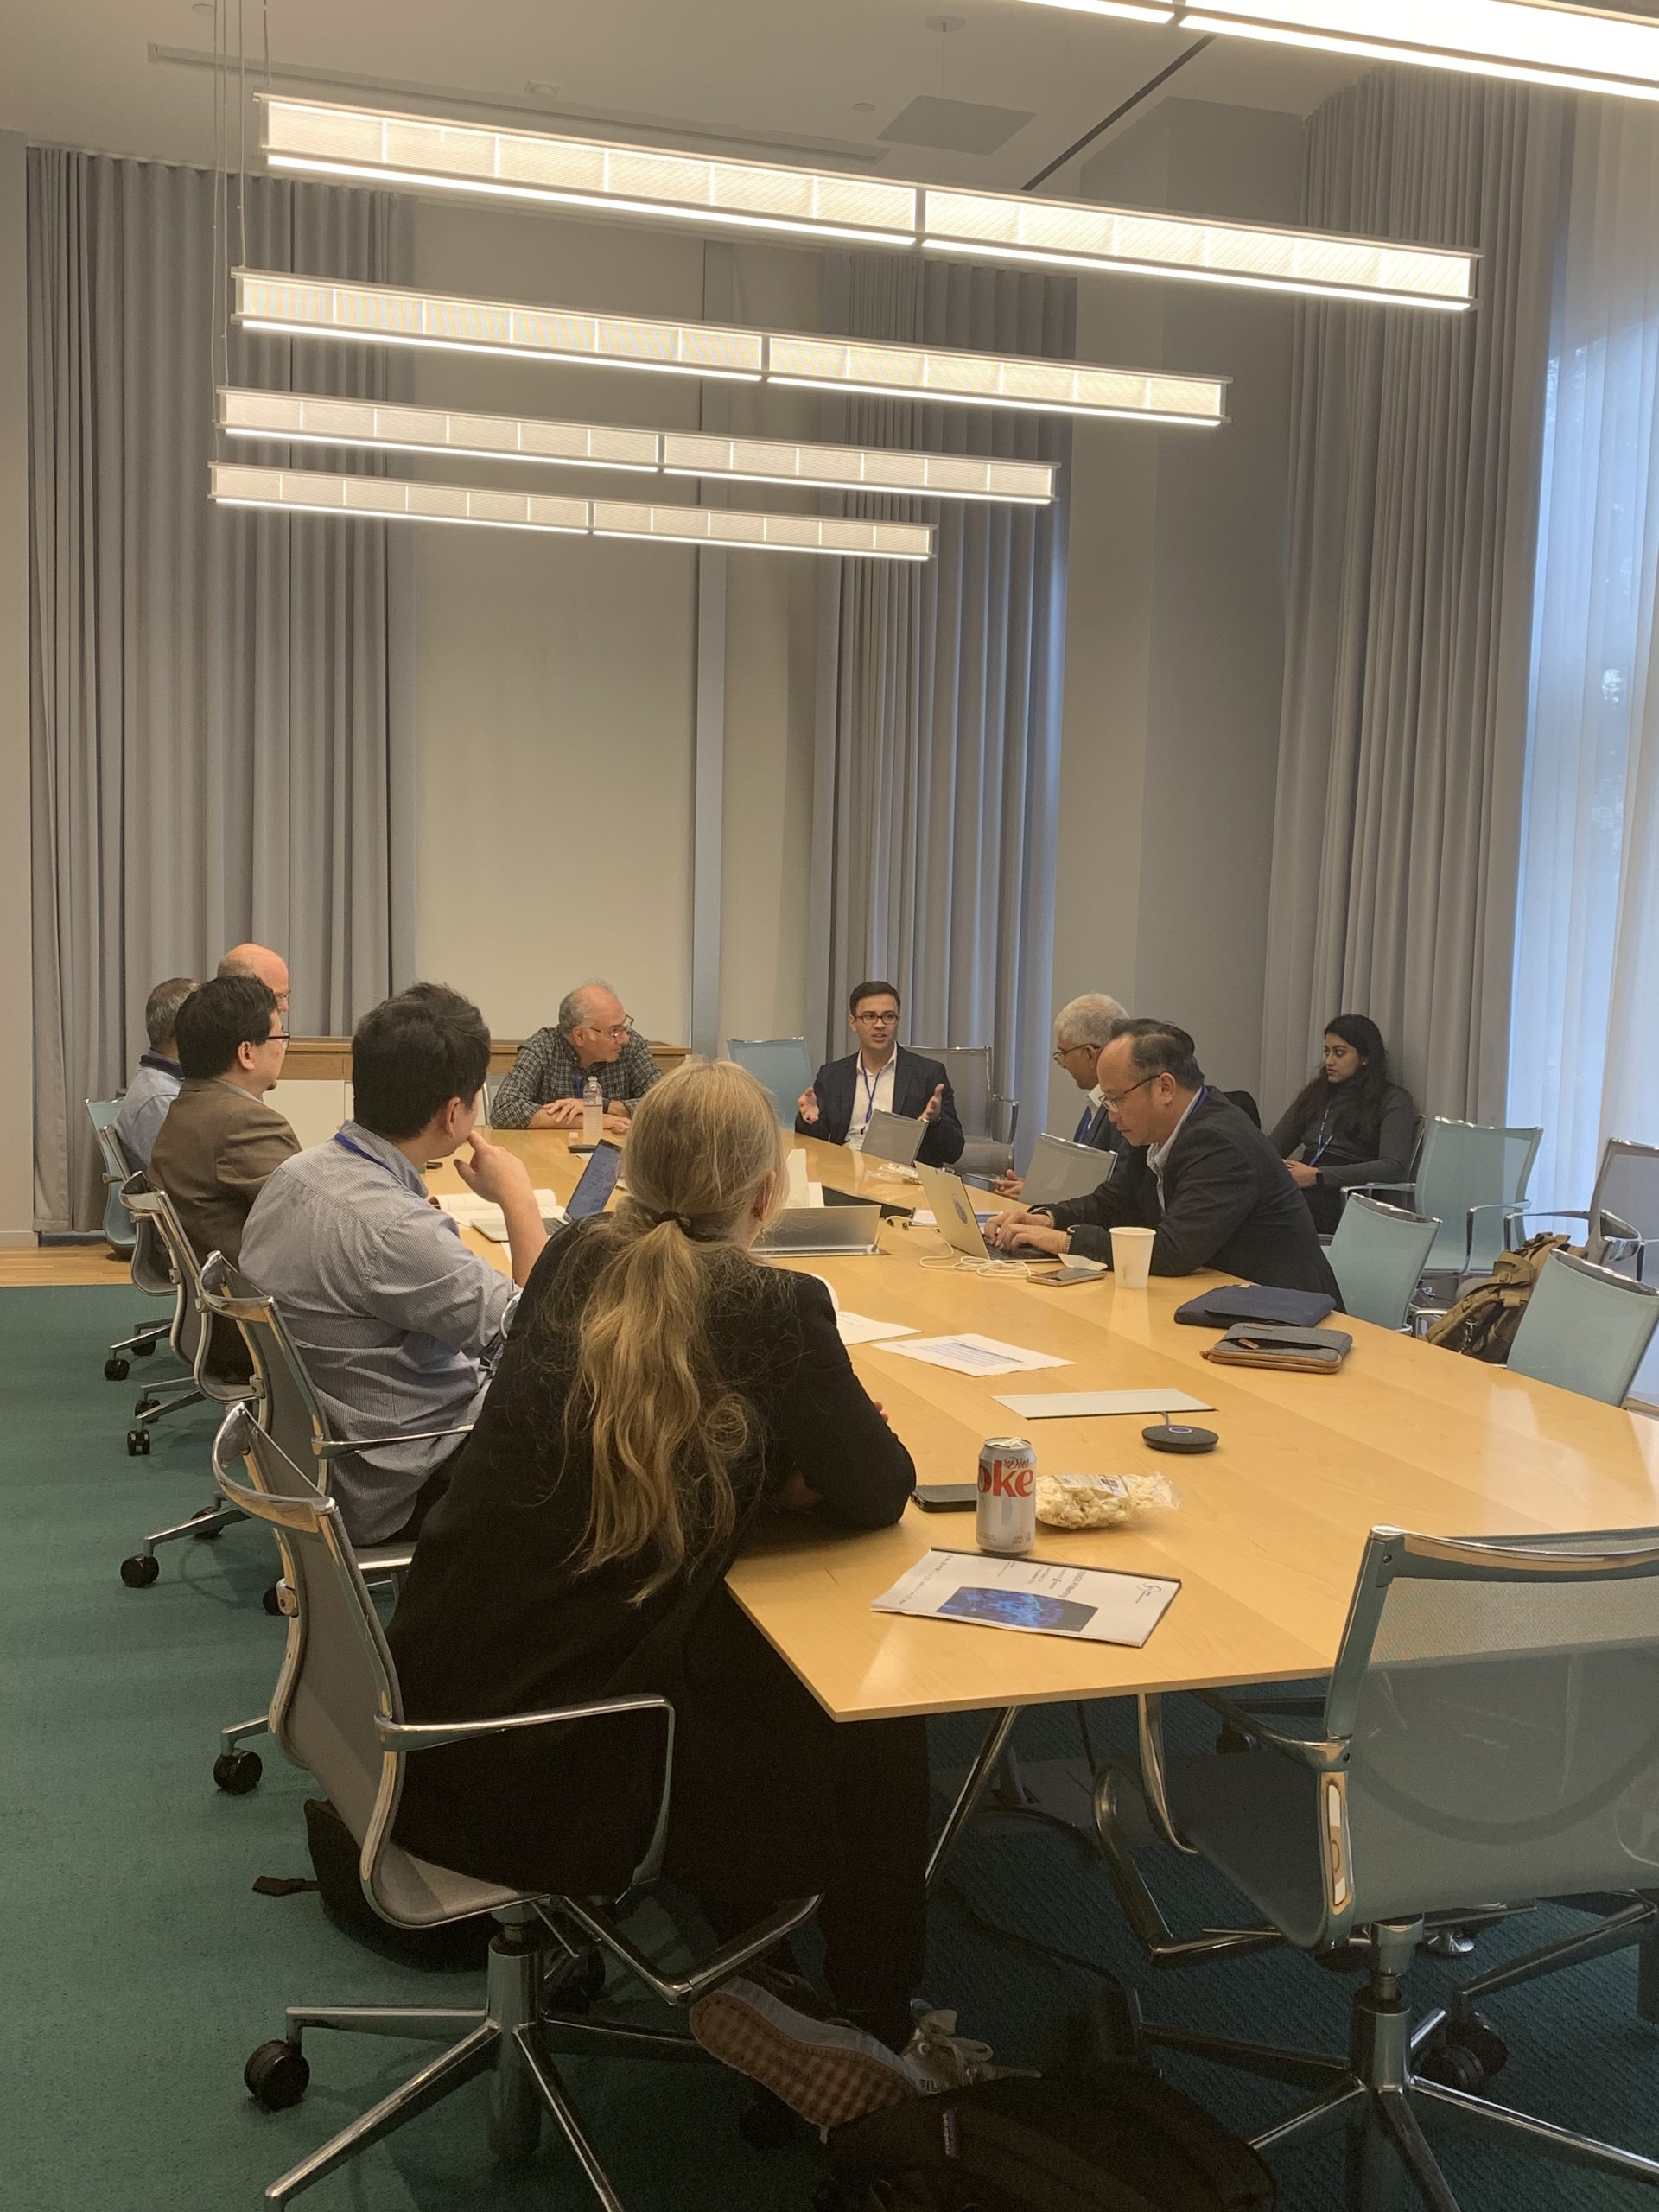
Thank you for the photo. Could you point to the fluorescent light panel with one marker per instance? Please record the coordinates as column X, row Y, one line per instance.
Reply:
column 296, row 306
column 304, row 418
column 645, row 180
column 380, row 499
column 1532, row 42
column 649, row 182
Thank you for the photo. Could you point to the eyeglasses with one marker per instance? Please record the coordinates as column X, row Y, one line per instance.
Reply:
column 1062, row 1053
column 615, row 1029
column 278, row 1037
column 877, row 1021
column 1113, row 1099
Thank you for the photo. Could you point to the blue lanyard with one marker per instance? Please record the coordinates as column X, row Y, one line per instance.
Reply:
column 869, row 1086
column 1314, row 1158
column 385, row 1167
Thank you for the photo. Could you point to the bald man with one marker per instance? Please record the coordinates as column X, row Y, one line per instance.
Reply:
column 265, row 967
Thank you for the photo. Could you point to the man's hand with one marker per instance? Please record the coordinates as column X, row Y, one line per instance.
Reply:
column 1302, row 1173
column 797, row 1495
column 616, row 1122
column 1041, row 1238
column 934, row 1105
column 1009, row 1185
column 557, row 1113
column 493, row 1172
column 807, row 1107
column 1019, row 1229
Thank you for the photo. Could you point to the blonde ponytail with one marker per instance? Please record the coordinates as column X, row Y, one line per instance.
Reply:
column 662, row 1428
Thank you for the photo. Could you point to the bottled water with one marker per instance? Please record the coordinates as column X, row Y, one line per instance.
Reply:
column 593, row 1111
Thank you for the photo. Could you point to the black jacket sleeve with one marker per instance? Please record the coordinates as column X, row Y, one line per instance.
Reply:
column 831, row 1432
column 830, row 1126
column 943, row 1140
column 1122, row 1202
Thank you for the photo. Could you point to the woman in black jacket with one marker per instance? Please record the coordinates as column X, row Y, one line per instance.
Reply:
column 1350, row 1124
column 659, row 1391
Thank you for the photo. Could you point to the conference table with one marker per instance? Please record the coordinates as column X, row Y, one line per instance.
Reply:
column 1266, row 1539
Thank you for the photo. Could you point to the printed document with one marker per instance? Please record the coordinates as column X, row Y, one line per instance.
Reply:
column 975, row 1355
column 1036, row 1596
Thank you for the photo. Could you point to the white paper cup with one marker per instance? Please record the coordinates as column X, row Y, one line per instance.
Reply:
column 1132, row 1256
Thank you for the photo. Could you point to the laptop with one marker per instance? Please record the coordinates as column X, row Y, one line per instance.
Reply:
column 1060, row 1170
column 957, row 1221
column 896, row 1138
column 826, row 1230
column 592, row 1194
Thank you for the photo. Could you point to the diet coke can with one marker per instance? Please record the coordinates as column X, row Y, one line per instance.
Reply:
column 1005, row 1520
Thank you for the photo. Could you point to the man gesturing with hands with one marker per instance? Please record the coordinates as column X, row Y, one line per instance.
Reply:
column 399, row 1322
column 882, row 1077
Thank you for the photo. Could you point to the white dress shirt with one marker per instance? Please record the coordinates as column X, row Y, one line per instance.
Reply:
column 870, row 1096
column 1158, row 1154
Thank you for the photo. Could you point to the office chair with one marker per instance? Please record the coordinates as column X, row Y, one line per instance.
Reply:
column 1585, row 1328
column 291, row 1411
column 150, row 1272
column 118, row 1222
column 338, row 1711
column 783, row 1064
column 1378, row 1255
column 1472, row 1177
column 1487, row 1733
column 1621, row 1227
column 989, row 1121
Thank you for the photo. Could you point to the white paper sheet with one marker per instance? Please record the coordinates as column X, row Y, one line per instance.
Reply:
column 1033, row 1596
column 859, row 1328
column 975, row 1355
column 482, row 1214
column 1078, row 1405
column 924, row 1217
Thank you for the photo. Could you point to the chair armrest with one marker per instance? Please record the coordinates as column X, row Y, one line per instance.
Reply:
column 1325, row 1754
column 683, row 1989
column 1510, row 1208
column 1153, row 1779
column 331, row 1449
column 1370, row 1190
column 1552, row 1213
column 1006, row 1108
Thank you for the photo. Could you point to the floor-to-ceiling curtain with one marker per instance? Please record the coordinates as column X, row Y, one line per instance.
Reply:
column 1584, row 1035
column 217, row 748
column 938, row 727
column 1415, row 442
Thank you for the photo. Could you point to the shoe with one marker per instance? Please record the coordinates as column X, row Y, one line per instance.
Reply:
column 936, row 2058
column 825, row 2070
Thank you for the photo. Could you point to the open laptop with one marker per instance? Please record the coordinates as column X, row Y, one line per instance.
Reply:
column 826, row 1230
column 896, row 1138
column 592, row 1194
column 957, row 1221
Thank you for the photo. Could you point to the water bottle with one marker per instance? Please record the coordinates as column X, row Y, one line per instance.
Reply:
column 593, row 1111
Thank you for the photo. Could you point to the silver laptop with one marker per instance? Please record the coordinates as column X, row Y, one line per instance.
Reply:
column 957, row 1222
column 896, row 1138
column 1060, row 1170
column 802, row 1231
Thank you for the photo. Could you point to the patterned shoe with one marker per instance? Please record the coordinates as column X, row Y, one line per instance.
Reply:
column 825, row 2070
column 937, row 2057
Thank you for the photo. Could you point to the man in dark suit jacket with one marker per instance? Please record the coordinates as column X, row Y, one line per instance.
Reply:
column 1199, row 1173
column 881, row 1077
column 220, row 1142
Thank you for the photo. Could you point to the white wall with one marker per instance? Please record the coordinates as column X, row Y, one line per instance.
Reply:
column 17, row 1119
column 556, row 680
column 1175, row 635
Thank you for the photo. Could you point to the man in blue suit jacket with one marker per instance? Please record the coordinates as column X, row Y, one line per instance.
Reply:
column 880, row 1077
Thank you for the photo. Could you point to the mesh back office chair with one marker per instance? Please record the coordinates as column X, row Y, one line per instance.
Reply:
column 989, row 1121
column 783, row 1064
column 487, row 1100
column 1585, row 1328
column 338, row 1711
column 1378, row 1255
column 151, row 1272
column 1622, row 1229
column 1472, row 1179
column 1490, row 1730
column 118, row 1222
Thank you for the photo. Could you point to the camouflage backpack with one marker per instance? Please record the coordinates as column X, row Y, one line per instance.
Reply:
column 1482, row 1323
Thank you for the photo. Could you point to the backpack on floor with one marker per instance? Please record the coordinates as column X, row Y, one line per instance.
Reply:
column 1482, row 1323
column 1090, row 2139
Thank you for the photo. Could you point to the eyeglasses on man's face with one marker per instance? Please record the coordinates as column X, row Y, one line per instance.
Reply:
column 877, row 1021
column 614, row 1029
column 1062, row 1053
column 1113, row 1099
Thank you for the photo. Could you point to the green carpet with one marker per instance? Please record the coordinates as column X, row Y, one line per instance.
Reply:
column 143, row 1968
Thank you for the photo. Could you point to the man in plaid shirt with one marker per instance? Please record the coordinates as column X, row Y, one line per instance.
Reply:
column 543, row 1089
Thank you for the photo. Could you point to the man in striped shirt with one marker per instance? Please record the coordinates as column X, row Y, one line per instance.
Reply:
column 593, row 1037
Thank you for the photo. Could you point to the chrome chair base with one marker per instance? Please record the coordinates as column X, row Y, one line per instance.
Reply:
column 515, row 2038
column 1631, row 1923
column 1380, row 2101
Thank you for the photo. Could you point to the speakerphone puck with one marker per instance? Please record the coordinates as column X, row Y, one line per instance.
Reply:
column 1177, row 1436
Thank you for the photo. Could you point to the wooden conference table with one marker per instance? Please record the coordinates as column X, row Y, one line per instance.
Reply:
column 1266, row 1541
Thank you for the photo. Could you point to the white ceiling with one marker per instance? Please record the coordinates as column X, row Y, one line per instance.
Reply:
column 824, row 76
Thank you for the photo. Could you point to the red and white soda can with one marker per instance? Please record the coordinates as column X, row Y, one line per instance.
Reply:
column 1005, row 1519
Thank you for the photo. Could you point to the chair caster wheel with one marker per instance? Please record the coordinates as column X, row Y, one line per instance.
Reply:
column 1234, row 1740
column 235, row 1773
column 139, row 1443
column 1465, row 2055
column 276, row 2075
column 140, row 1571
column 146, row 1404
column 208, row 1536
column 767, row 2123
column 115, row 1369
column 270, row 1598
column 144, row 1349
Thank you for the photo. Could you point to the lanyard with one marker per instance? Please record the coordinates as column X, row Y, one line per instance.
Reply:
column 1322, row 1143
column 373, row 1159
column 869, row 1089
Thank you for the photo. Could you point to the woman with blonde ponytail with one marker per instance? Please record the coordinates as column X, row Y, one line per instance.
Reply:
column 661, row 1388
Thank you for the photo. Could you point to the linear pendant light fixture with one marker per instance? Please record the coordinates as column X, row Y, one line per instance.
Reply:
column 647, row 183
column 304, row 418
column 1534, row 42
column 385, row 314
column 381, row 498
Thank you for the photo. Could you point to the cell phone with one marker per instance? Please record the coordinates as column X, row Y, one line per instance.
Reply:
column 947, row 1497
column 1070, row 1274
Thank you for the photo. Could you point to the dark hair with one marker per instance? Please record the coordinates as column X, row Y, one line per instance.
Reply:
column 1159, row 1048
column 412, row 1054
column 219, row 1015
column 161, row 1010
column 1355, row 1107
column 873, row 989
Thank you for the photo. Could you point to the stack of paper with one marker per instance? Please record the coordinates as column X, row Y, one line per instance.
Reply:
column 483, row 1215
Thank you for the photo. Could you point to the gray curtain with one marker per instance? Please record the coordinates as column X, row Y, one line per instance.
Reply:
column 221, row 746
column 1415, row 454
column 938, row 727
